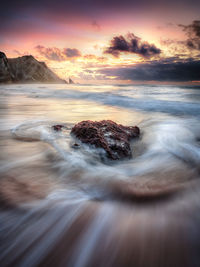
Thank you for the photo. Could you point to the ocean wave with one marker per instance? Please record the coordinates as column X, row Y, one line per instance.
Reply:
column 118, row 98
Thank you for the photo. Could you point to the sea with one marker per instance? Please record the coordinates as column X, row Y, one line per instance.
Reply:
column 61, row 206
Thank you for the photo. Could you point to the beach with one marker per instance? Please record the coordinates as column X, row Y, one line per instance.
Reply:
column 62, row 206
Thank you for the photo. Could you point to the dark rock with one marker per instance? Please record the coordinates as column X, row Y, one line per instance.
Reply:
column 71, row 81
column 76, row 146
column 58, row 127
column 112, row 137
column 5, row 75
column 2, row 55
column 25, row 69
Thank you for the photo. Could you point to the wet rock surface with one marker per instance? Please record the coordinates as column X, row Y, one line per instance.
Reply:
column 58, row 127
column 112, row 137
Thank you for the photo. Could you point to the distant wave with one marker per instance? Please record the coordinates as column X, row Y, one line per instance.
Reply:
column 116, row 98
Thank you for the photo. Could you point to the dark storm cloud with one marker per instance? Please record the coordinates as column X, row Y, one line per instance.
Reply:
column 192, row 29
column 131, row 44
column 56, row 54
column 118, row 44
column 168, row 70
column 193, row 33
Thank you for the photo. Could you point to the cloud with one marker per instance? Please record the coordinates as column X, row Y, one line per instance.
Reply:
column 56, row 54
column 20, row 54
column 168, row 70
column 96, row 25
column 17, row 52
column 193, row 33
column 131, row 44
column 71, row 52
column 52, row 53
column 91, row 57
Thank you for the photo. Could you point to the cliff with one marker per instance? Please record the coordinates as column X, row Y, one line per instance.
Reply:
column 25, row 69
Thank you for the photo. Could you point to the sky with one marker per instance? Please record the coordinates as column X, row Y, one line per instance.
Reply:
column 112, row 41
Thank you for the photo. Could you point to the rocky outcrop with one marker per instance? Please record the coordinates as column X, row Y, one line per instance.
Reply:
column 112, row 137
column 5, row 75
column 25, row 69
column 71, row 81
column 58, row 127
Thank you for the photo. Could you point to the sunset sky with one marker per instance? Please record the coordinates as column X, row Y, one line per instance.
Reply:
column 106, row 41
